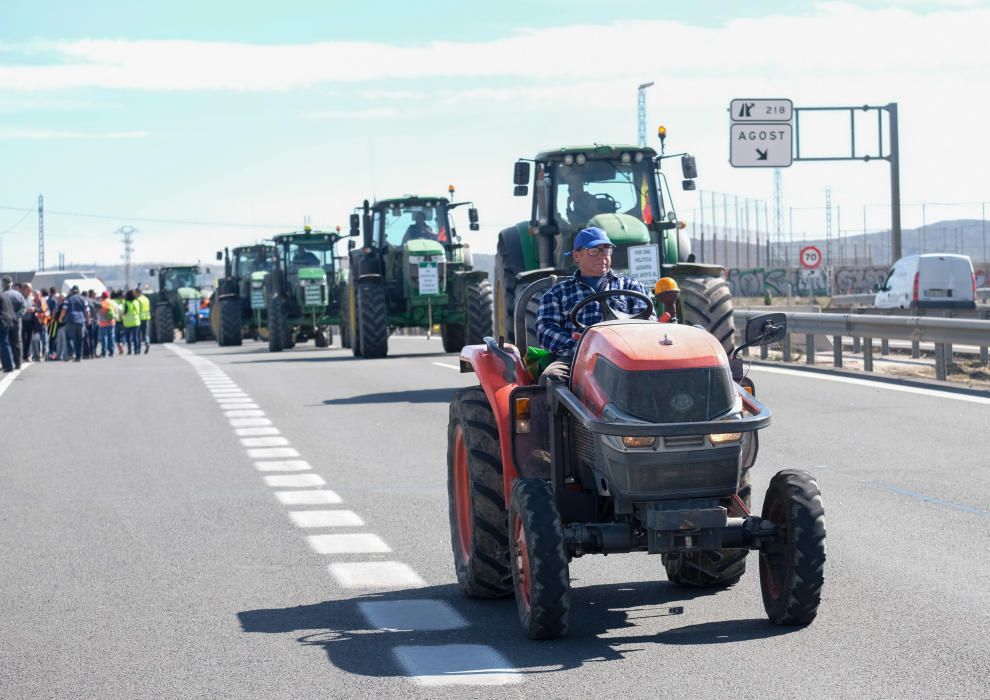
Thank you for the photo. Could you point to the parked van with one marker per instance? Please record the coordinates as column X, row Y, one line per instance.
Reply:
column 84, row 284
column 931, row 281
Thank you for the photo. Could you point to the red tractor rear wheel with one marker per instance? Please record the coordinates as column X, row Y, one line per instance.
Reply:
column 539, row 560
column 478, row 525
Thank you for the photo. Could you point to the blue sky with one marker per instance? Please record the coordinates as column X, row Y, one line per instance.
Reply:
column 256, row 115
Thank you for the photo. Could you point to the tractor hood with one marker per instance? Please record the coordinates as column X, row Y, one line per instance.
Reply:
column 648, row 345
column 622, row 229
column 187, row 293
column 258, row 276
column 312, row 273
column 424, row 247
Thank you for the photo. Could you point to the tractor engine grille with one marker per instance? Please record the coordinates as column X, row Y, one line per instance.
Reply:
column 584, row 445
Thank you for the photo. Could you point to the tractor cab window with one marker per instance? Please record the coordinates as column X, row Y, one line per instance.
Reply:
column 306, row 254
column 249, row 261
column 178, row 279
column 412, row 222
column 604, row 187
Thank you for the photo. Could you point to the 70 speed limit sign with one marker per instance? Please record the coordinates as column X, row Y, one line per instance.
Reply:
column 811, row 257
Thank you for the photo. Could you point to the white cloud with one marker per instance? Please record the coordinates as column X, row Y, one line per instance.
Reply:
column 14, row 134
column 372, row 113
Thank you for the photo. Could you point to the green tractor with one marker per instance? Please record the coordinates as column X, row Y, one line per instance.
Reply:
column 413, row 271
column 622, row 190
column 237, row 310
column 305, row 290
column 178, row 293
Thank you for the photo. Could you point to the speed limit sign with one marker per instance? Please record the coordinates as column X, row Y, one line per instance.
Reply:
column 811, row 257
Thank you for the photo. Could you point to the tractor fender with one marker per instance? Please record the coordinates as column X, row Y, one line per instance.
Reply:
column 461, row 279
column 512, row 246
column 684, row 268
column 491, row 370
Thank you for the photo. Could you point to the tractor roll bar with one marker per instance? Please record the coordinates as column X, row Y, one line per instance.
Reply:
column 561, row 398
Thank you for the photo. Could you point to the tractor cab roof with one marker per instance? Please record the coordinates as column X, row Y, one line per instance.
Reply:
column 252, row 248
column 178, row 268
column 408, row 200
column 317, row 240
column 596, row 151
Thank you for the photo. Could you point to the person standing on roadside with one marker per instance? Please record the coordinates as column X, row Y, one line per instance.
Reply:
column 132, row 323
column 145, row 303
column 14, row 332
column 7, row 322
column 75, row 316
column 43, row 316
column 28, row 322
column 108, row 324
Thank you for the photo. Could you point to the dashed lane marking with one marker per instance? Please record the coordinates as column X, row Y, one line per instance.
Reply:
column 412, row 615
column 447, row 365
column 351, row 543
column 266, row 452
column 249, row 422
column 456, row 664
column 240, row 406
column 244, row 432
column 288, row 481
column 9, row 379
column 244, row 414
column 325, row 518
column 375, row 574
column 264, row 441
column 286, row 465
column 307, row 498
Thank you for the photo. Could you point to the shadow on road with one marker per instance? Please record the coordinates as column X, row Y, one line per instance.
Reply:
column 355, row 645
column 312, row 357
column 412, row 396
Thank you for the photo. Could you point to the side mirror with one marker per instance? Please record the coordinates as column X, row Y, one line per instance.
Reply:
column 689, row 168
column 355, row 225
column 207, row 270
column 473, row 218
column 219, row 255
column 688, row 185
column 766, row 329
column 351, row 245
column 876, row 288
column 520, row 190
column 520, row 173
column 151, row 272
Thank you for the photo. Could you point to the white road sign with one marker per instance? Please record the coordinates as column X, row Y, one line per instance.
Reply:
column 429, row 278
column 760, row 145
column 761, row 110
column 811, row 257
column 644, row 264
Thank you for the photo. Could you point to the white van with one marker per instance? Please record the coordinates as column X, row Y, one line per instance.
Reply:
column 84, row 284
column 931, row 281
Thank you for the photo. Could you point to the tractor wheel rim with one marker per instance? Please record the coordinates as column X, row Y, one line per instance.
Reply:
column 773, row 567
column 521, row 563
column 462, row 495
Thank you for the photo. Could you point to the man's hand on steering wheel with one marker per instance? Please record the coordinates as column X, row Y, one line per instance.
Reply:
column 608, row 313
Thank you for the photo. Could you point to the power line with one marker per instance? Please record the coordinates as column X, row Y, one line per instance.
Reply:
column 27, row 213
column 182, row 222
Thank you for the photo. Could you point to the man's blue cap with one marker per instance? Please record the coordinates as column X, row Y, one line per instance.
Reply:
column 591, row 237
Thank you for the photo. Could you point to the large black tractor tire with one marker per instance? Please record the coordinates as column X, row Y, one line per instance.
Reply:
column 277, row 324
column 229, row 326
column 540, row 575
column 707, row 301
column 191, row 333
column 372, row 314
column 345, row 334
column 505, row 293
column 164, row 323
column 478, row 524
column 792, row 567
column 322, row 337
column 479, row 319
column 452, row 336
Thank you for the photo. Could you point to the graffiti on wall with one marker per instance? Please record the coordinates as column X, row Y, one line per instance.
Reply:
column 791, row 281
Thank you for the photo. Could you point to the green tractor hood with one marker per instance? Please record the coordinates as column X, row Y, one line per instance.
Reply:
column 312, row 273
column 622, row 229
column 424, row 247
column 258, row 276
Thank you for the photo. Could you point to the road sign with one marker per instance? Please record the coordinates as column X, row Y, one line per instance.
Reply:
column 429, row 278
column 760, row 145
column 644, row 264
column 761, row 110
column 811, row 257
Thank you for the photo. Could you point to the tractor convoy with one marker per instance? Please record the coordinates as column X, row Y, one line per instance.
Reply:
column 647, row 446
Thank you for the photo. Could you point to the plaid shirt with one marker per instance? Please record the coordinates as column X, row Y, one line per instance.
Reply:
column 553, row 324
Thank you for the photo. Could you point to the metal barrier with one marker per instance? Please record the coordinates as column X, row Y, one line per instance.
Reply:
column 863, row 328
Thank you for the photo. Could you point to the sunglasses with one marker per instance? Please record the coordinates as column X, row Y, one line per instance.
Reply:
column 600, row 250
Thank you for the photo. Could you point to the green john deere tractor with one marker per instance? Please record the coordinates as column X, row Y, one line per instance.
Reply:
column 413, row 271
column 305, row 290
column 178, row 292
column 237, row 310
column 622, row 190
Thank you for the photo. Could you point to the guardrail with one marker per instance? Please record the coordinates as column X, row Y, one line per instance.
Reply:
column 864, row 328
column 867, row 298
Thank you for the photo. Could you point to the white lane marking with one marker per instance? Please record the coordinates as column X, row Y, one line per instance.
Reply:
column 243, row 432
column 289, row 481
column 411, row 615
column 872, row 384
column 9, row 379
column 447, row 365
column 244, row 414
column 284, row 465
column 351, row 543
column 264, row 441
column 239, row 406
column 375, row 574
column 307, row 498
column 233, row 397
column 226, row 392
column 456, row 664
column 266, row 452
column 326, row 518
column 248, row 422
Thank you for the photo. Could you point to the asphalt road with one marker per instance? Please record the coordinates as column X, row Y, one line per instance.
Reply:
column 148, row 551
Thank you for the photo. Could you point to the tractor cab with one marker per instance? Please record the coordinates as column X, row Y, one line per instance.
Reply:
column 178, row 291
column 309, row 266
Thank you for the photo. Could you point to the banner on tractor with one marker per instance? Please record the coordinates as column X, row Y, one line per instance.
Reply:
column 429, row 278
column 644, row 264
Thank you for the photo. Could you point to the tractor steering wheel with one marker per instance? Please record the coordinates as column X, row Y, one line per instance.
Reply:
column 606, row 203
column 608, row 313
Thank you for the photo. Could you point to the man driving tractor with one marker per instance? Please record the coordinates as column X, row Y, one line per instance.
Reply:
column 593, row 256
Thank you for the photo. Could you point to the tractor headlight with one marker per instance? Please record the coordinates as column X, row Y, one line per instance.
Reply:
column 722, row 438
column 569, row 159
column 630, row 441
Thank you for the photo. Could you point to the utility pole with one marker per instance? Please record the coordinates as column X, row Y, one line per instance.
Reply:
column 828, row 235
column 641, row 112
column 778, row 210
column 127, row 233
column 41, row 233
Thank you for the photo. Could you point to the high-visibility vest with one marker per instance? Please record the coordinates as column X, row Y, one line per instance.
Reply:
column 132, row 314
column 108, row 313
column 145, row 306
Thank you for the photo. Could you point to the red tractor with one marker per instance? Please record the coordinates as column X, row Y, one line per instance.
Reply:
column 646, row 448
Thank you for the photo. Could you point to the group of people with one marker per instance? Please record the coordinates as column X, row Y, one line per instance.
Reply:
column 44, row 325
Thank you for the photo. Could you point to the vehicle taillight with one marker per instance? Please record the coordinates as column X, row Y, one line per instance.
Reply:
column 916, row 274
